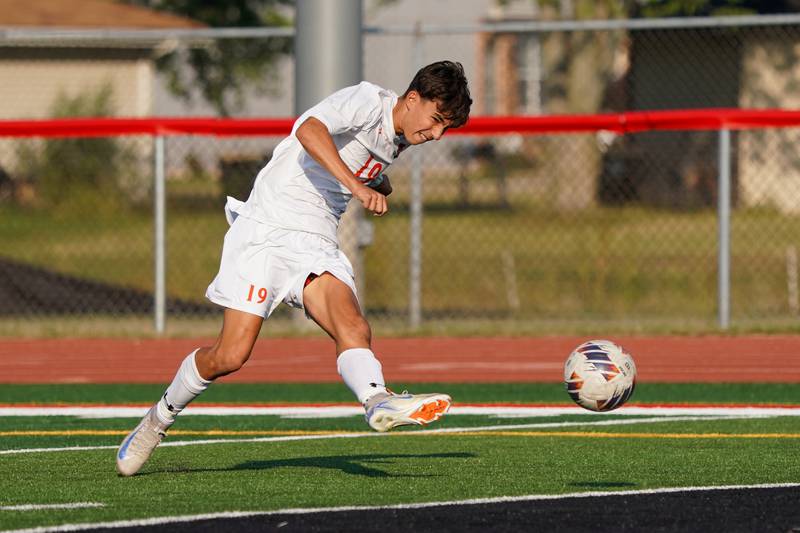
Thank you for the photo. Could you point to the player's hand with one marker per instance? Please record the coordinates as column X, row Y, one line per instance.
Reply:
column 372, row 200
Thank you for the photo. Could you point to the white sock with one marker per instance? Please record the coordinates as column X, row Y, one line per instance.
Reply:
column 361, row 372
column 187, row 385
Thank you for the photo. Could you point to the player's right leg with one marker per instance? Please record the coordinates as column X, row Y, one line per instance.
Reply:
column 228, row 353
column 332, row 304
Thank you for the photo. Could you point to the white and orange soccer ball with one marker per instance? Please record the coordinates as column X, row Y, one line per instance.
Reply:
column 600, row 375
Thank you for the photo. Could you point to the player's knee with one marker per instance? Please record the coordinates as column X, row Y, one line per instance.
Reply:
column 365, row 331
column 227, row 360
column 357, row 330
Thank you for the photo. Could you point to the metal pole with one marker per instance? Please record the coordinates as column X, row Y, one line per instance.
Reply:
column 328, row 49
column 791, row 280
column 328, row 57
column 415, row 252
column 415, row 238
column 724, row 215
column 160, row 235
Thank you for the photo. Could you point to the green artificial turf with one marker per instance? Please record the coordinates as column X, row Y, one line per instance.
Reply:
column 262, row 471
column 756, row 393
column 392, row 469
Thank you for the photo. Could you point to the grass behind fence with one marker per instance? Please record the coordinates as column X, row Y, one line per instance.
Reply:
column 528, row 262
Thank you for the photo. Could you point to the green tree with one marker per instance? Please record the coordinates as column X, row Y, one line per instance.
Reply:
column 76, row 170
column 577, row 9
column 222, row 70
column 708, row 8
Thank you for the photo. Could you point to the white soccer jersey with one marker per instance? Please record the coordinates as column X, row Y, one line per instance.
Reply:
column 294, row 192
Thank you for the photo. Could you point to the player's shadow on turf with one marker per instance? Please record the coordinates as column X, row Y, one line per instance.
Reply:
column 601, row 484
column 357, row 465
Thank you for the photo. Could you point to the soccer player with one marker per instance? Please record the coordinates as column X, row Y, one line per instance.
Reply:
column 282, row 246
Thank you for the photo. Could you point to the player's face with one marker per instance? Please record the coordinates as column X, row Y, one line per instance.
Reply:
column 423, row 122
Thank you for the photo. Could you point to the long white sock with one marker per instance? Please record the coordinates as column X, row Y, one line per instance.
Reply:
column 361, row 372
column 185, row 387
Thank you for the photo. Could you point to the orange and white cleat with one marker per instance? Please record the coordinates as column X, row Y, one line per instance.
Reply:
column 387, row 410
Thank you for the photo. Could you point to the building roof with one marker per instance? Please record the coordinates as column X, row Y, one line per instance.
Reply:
column 88, row 14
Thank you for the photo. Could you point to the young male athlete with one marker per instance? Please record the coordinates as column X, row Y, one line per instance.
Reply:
column 282, row 245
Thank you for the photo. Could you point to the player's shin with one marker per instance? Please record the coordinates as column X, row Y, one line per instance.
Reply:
column 361, row 372
column 185, row 387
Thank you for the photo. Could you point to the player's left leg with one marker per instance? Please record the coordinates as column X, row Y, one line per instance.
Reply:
column 197, row 371
column 332, row 304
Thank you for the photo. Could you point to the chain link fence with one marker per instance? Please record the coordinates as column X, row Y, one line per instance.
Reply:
column 519, row 233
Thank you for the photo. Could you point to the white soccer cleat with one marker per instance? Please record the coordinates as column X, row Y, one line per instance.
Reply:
column 387, row 410
column 137, row 447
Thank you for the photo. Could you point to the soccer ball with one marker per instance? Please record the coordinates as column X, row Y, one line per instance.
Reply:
column 600, row 375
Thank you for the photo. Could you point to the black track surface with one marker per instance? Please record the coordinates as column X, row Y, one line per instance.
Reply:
column 745, row 510
column 27, row 289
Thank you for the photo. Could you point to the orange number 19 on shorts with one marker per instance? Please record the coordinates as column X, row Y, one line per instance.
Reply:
column 262, row 294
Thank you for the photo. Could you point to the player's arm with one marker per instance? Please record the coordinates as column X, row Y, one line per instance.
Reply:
column 317, row 141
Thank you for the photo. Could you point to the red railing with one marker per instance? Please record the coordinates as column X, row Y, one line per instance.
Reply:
column 631, row 122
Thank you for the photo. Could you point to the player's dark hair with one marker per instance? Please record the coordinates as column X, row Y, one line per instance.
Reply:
column 445, row 83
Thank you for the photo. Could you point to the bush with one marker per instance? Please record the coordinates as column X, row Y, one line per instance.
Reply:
column 81, row 169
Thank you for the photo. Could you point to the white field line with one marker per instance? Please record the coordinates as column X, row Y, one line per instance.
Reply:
column 335, row 411
column 425, row 505
column 48, row 506
column 613, row 422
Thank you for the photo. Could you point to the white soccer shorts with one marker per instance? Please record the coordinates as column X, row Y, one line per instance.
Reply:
column 263, row 266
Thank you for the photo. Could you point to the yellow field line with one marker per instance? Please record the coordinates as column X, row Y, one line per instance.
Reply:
column 264, row 433
column 602, row 435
